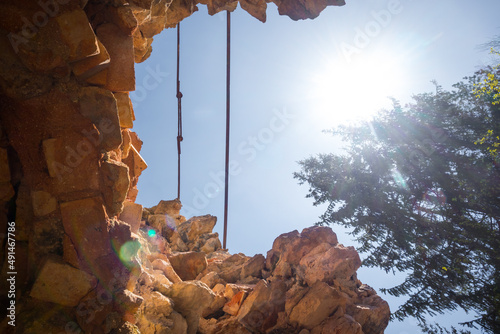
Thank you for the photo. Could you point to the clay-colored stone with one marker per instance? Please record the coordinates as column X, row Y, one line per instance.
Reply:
column 100, row 106
column 326, row 263
column 171, row 208
column 211, row 245
column 344, row 324
column 125, row 110
column 253, row 267
column 121, row 74
column 132, row 215
column 85, row 223
column 167, row 270
column 99, row 79
column 233, row 306
column 211, row 279
column 43, row 203
column 139, row 163
column 90, row 66
column 190, row 299
column 196, row 226
column 72, row 163
column 299, row 10
column 46, row 238
column 372, row 314
column 69, row 253
column 256, row 8
column 318, row 304
column 127, row 142
column 124, row 18
column 62, row 284
column 188, row 264
column 78, row 35
column 114, row 186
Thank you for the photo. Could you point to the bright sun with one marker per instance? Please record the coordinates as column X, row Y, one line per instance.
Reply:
column 354, row 91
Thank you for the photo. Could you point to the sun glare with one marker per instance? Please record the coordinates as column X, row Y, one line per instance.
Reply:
column 352, row 91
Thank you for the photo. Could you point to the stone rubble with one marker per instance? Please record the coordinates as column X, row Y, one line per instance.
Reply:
column 306, row 284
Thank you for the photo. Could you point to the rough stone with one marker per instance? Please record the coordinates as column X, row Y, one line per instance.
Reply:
column 215, row 308
column 114, row 275
column 222, row 326
column 196, row 226
column 94, row 309
column 162, row 223
column 126, row 143
column 43, row 203
column 128, row 302
column 256, row 8
column 132, row 214
column 167, row 270
column 62, row 284
column 142, row 46
column 46, row 238
column 100, row 106
column 138, row 165
column 122, row 241
column 190, row 299
column 253, row 266
column 233, row 306
column 171, row 208
column 211, row 245
column 373, row 314
column 326, row 263
column 188, row 264
column 124, row 18
column 153, row 312
column 317, row 304
column 100, row 78
column 120, row 46
column 78, row 35
column 115, row 184
column 90, row 66
column 125, row 110
column 301, row 10
column 260, row 309
column 85, row 223
column 72, row 163
column 69, row 253
column 211, row 279
column 343, row 324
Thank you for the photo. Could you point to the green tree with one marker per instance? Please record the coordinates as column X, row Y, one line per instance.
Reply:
column 489, row 87
column 423, row 199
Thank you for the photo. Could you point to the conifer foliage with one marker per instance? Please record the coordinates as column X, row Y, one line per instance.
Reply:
column 422, row 197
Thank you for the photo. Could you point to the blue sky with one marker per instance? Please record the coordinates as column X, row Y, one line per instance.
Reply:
column 290, row 81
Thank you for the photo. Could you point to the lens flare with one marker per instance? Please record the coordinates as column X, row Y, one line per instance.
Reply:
column 151, row 233
column 399, row 179
column 128, row 250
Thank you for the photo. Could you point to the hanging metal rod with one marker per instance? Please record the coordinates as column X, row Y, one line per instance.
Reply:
column 228, row 118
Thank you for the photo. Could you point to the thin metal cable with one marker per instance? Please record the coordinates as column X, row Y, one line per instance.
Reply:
column 179, row 113
column 228, row 106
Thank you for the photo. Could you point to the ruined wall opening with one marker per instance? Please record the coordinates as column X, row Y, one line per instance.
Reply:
column 86, row 257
